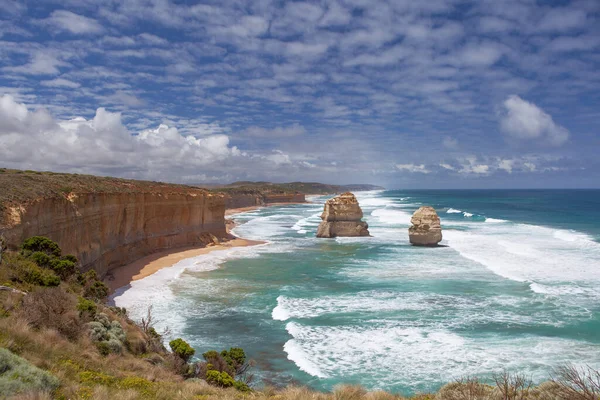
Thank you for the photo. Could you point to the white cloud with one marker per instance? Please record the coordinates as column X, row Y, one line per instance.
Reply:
column 41, row 62
column 480, row 55
column 64, row 20
column 413, row 168
column 525, row 121
column 506, row 165
column 278, row 157
column 60, row 82
column 102, row 143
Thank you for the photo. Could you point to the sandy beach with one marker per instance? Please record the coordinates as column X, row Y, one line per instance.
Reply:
column 152, row 263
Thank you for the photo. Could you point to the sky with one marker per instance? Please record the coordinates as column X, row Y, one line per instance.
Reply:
column 400, row 93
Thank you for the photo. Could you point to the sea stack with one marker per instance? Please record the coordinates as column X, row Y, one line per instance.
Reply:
column 342, row 216
column 426, row 229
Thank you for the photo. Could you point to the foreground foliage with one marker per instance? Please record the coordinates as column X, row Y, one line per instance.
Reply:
column 61, row 341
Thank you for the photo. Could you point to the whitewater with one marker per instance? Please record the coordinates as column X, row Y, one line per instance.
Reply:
column 515, row 286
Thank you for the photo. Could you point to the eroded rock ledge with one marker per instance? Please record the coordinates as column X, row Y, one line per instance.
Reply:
column 342, row 216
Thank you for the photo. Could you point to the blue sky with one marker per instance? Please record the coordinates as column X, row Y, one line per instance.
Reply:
column 404, row 93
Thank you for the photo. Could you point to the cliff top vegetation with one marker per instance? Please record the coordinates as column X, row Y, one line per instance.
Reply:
column 21, row 187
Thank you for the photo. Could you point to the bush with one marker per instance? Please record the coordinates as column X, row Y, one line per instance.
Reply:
column 86, row 306
column 109, row 333
column 52, row 308
column 93, row 288
column 96, row 290
column 235, row 357
column 221, row 379
column 41, row 244
column 63, row 268
column 19, row 376
column 103, row 348
column 40, row 258
column 37, row 276
column 182, row 349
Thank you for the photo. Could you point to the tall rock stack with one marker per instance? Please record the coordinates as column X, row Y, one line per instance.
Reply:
column 426, row 229
column 342, row 216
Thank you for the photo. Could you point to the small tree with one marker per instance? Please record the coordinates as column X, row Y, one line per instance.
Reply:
column 40, row 243
column 182, row 349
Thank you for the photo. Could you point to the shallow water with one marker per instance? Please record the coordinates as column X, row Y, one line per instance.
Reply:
column 516, row 288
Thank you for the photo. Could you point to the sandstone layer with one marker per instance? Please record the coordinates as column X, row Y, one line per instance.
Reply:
column 426, row 229
column 342, row 216
column 107, row 230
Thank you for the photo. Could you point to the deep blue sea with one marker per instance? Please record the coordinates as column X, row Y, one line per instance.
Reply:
column 515, row 286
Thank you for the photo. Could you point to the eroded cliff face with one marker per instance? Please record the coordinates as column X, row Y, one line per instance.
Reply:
column 107, row 230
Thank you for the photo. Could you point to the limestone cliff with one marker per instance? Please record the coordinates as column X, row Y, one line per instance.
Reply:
column 426, row 229
column 342, row 216
column 113, row 222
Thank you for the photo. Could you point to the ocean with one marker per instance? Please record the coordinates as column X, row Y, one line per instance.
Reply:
column 515, row 286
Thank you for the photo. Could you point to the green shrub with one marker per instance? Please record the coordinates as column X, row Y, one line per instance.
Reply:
column 63, row 268
column 182, row 349
column 37, row 276
column 221, row 379
column 40, row 258
column 235, row 357
column 96, row 290
column 42, row 244
column 103, row 348
column 70, row 257
column 17, row 375
column 86, row 306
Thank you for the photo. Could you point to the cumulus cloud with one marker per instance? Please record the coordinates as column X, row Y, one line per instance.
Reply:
column 67, row 21
column 525, row 121
column 102, row 143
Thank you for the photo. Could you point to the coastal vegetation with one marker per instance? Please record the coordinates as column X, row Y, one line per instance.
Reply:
column 59, row 339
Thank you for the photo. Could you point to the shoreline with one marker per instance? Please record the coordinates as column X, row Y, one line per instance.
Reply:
column 232, row 211
column 152, row 263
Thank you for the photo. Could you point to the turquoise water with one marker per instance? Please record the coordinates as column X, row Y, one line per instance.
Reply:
column 516, row 287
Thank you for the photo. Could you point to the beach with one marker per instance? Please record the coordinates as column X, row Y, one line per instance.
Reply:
column 153, row 263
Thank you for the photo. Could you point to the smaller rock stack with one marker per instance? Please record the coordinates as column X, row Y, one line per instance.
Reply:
column 342, row 216
column 426, row 229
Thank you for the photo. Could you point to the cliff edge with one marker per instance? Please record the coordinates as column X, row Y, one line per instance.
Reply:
column 106, row 222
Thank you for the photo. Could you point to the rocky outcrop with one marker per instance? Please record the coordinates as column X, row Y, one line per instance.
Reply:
column 342, row 216
column 107, row 230
column 426, row 229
